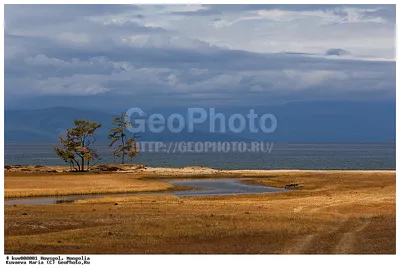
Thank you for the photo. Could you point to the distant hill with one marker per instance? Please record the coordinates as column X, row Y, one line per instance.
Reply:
column 297, row 122
column 335, row 122
column 47, row 124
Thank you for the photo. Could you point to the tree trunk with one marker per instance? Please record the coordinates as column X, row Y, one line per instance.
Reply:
column 83, row 155
column 77, row 163
column 83, row 163
column 123, row 150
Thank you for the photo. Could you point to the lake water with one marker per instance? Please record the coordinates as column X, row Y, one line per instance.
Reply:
column 282, row 156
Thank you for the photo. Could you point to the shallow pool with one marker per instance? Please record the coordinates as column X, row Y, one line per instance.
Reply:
column 202, row 187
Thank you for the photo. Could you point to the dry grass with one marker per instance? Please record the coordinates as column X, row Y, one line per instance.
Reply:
column 334, row 212
column 49, row 184
column 28, row 181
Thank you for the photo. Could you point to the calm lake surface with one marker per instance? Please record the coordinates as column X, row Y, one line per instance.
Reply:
column 282, row 156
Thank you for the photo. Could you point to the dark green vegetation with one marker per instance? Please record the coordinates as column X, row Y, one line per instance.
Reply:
column 77, row 146
column 127, row 146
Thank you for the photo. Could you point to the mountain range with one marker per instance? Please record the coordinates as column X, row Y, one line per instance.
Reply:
column 329, row 121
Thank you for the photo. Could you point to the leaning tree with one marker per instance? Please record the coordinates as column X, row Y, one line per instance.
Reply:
column 77, row 145
column 127, row 145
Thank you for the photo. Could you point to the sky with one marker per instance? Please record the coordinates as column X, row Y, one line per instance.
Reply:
column 111, row 56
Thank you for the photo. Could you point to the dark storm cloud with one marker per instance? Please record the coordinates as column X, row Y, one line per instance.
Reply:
column 54, row 54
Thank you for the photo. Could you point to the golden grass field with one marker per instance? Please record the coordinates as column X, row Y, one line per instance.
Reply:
column 334, row 212
column 50, row 184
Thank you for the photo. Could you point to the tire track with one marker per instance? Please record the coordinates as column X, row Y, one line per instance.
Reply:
column 346, row 243
column 302, row 245
column 307, row 244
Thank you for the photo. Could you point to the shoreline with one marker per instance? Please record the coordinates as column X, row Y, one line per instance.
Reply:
column 181, row 188
column 132, row 168
column 50, row 181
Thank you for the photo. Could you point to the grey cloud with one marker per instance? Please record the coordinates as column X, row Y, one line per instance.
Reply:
column 301, row 7
column 200, row 12
column 171, row 74
column 59, row 54
column 336, row 52
column 386, row 11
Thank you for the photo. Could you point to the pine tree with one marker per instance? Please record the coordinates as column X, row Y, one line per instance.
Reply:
column 77, row 145
column 127, row 145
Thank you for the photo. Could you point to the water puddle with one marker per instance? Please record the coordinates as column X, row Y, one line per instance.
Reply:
column 204, row 187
